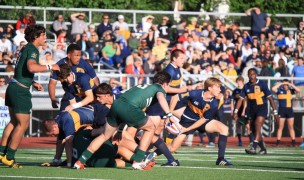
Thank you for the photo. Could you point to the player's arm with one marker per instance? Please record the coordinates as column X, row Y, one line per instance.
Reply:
column 52, row 92
column 163, row 102
column 237, row 106
column 96, row 80
column 59, row 150
column 173, row 102
column 196, row 125
column 177, row 90
column 33, row 67
column 297, row 90
column 69, row 149
column 244, row 107
column 276, row 87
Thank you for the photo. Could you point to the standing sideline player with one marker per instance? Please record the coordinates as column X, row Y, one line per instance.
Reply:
column 285, row 90
column 18, row 96
column 77, row 65
column 201, row 108
column 128, row 109
column 257, row 94
column 242, row 116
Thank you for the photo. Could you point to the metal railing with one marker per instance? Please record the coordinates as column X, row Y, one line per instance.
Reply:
column 132, row 17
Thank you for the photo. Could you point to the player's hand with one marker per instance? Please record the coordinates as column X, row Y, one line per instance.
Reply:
column 69, row 108
column 55, row 103
column 55, row 67
column 276, row 118
column 38, row 86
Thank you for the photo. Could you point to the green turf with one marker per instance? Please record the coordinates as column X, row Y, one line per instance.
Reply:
column 196, row 163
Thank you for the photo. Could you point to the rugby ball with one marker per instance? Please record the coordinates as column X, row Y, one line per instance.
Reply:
column 173, row 128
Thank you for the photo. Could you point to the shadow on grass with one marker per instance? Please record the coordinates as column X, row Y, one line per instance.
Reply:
column 275, row 167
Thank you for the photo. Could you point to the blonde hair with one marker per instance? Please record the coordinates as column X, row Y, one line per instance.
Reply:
column 211, row 82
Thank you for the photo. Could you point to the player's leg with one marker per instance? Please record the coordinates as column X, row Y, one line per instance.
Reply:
column 258, row 134
column 290, row 123
column 177, row 142
column 280, row 129
column 239, row 133
column 214, row 126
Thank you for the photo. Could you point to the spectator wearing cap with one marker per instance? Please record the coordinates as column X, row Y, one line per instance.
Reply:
column 105, row 25
column 160, row 48
column 138, row 31
column 149, row 65
column 131, row 57
column 10, row 33
column 206, row 72
column 91, row 30
column 253, row 57
column 27, row 20
column 164, row 28
column 118, row 36
column 136, row 69
column 5, row 45
column 146, row 54
column 78, row 25
column 147, row 23
column 193, row 22
column 290, row 41
column 123, row 26
column 59, row 25
column 20, row 36
column 133, row 42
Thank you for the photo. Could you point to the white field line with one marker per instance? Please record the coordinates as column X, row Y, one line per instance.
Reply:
column 39, row 177
column 244, row 156
column 267, row 161
column 233, row 169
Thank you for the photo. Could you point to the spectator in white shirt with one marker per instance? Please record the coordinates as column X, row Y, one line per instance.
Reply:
column 5, row 45
column 290, row 41
column 20, row 36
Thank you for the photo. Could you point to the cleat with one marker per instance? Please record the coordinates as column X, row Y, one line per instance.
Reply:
column 171, row 163
column 250, row 151
column 223, row 162
column 250, row 145
column 262, row 151
column 140, row 166
column 10, row 163
column 240, row 144
column 211, row 145
column 150, row 157
column 79, row 165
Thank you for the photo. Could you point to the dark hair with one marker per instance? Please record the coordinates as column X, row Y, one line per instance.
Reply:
column 103, row 88
column 33, row 32
column 162, row 77
column 253, row 69
column 64, row 72
column 48, row 125
column 72, row 48
column 240, row 78
column 176, row 53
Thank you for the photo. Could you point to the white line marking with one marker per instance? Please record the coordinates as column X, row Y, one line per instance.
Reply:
column 34, row 177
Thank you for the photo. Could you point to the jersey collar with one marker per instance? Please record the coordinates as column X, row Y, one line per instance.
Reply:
column 173, row 65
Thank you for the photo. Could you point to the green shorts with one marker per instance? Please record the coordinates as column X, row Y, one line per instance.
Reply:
column 18, row 98
column 104, row 156
column 123, row 112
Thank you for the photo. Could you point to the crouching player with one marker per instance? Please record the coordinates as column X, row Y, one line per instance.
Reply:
column 199, row 113
column 128, row 109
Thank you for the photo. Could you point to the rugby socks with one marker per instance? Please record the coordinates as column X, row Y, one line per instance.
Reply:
column 251, row 137
column 138, row 156
column 239, row 137
column 278, row 142
column 10, row 154
column 261, row 144
column 85, row 156
column 127, row 164
column 255, row 144
column 222, row 146
column 162, row 148
column 3, row 150
column 293, row 142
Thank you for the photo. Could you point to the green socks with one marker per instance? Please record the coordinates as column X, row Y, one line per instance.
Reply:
column 85, row 156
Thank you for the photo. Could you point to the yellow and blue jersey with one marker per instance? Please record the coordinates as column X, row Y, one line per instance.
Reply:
column 176, row 76
column 77, row 89
column 71, row 121
column 198, row 108
column 285, row 97
column 256, row 93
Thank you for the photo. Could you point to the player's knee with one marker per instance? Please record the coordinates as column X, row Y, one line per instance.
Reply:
column 224, row 130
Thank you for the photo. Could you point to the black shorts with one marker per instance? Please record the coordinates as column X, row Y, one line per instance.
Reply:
column 256, row 111
column 156, row 110
column 285, row 112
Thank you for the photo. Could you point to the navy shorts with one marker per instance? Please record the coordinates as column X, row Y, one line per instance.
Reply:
column 256, row 111
column 156, row 110
column 185, row 122
column 285, row 112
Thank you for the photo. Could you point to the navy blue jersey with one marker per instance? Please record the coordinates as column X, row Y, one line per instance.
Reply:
column 256, row 93
column 285, row 97
column 83, row 67
column 176, row 76
column 198, row 108
column 77, row 89
column 100, row 113
column 71, row 121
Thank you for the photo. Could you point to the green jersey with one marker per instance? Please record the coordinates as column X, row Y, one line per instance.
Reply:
column 142, row 96
column 22, row 74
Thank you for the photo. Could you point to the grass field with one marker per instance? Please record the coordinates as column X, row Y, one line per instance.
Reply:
column 196, row 163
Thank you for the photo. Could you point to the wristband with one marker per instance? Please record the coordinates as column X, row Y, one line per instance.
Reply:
column 275, row 112
column 169, row 114
column 236, row 111
column 77, row 105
